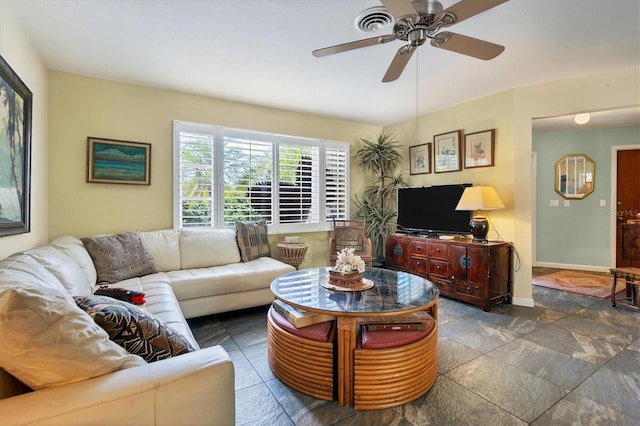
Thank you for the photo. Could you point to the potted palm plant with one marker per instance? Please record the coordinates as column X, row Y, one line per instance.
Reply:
column 377, row 203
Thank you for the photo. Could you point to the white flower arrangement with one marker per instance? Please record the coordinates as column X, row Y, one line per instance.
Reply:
column 348, row 262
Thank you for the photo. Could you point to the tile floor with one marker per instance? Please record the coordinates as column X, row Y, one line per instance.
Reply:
column 571, row 360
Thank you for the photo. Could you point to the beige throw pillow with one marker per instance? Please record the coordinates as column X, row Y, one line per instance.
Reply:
column 47, row 340
column 119, row 257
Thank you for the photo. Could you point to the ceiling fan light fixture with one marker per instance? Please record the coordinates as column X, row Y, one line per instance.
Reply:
column 417, row 37
column 582, row 118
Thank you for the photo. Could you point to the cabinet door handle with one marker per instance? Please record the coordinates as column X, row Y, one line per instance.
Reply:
column 437, row 250
column 466, row 262
column 469, row 289
column 437, row 267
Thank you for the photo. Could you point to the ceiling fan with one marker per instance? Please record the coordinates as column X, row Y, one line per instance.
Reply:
column 419, row 20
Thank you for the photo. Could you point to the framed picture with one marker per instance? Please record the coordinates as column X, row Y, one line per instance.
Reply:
column 420, row 158
column 446, row 148
column 112, row 161
column 16, row 102
column 478, row 149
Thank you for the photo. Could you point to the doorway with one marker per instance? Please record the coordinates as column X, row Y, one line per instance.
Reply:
column 627, row 190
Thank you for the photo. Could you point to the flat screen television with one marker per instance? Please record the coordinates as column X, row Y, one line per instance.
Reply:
column 432, row 210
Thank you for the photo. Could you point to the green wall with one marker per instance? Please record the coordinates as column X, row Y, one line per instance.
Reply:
column 578, row 235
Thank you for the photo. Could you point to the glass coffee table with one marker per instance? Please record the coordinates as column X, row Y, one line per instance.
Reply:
column 394, row 293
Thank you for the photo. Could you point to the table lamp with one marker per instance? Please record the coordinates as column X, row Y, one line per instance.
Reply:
column 479, row 198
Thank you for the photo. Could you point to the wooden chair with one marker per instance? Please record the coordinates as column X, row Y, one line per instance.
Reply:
column 350, row 233
column 630, row 251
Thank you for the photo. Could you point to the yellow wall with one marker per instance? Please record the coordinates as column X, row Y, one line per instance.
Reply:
column 17, row 51
column 492, row 112
column 511, row 113
column 81, row 106
column 611, row 90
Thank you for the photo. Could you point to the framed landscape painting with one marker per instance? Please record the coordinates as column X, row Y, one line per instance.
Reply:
column 16, row 102
column 113, row 161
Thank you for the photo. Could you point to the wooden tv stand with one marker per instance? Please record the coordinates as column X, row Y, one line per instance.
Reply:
column 478, row 273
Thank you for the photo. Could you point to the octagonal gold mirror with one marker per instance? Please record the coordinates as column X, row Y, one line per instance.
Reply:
column 575, row 176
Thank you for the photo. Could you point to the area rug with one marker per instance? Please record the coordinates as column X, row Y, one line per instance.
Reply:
column 579, row 282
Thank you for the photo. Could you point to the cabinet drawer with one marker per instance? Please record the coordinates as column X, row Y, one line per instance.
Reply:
column 418, row 265
column 470, row 289
column 445, row 286
column 439, row 250
column 438, row 267
column 419, row 248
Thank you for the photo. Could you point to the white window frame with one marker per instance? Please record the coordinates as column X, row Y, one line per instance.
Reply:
column 323, row 223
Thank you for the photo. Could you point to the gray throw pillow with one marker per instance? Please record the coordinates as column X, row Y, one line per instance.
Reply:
column 119, row 257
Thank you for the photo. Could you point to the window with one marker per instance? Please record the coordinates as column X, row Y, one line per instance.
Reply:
column 225, row 175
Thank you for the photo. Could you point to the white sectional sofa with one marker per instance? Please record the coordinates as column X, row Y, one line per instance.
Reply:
column 59, row 367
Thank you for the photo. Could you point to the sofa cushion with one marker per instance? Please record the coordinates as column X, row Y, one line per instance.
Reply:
column 164, row 247
column 22, row 267
column 253, row 240
column 118, row 257
column 136, row 330
column 63, row 268
column 47, row 340
column 394, row 338
column 73, row 247
column 201, row 248
column 161, row 301
column 319, row 332
column 227, row 279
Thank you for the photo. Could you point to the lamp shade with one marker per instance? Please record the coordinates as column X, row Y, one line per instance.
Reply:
column 479, row 198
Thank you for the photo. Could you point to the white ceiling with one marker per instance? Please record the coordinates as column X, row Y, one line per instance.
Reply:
column 259, row 51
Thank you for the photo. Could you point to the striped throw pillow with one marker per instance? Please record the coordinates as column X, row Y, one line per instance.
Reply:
column 253, row 240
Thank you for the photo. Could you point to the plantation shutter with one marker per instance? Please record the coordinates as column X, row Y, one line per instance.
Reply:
column 298, row 181
column 196, row 171
column 336, row 180
column 248, row 170
column 224, row 175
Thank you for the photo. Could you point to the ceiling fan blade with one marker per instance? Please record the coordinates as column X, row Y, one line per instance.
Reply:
column 398, row 63
column 465, row 9
column 400, row 8
column 467, row 45
column 353, row 45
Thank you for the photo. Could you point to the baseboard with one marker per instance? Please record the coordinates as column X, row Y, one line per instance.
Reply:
column 590, row 268
column 523, row 301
